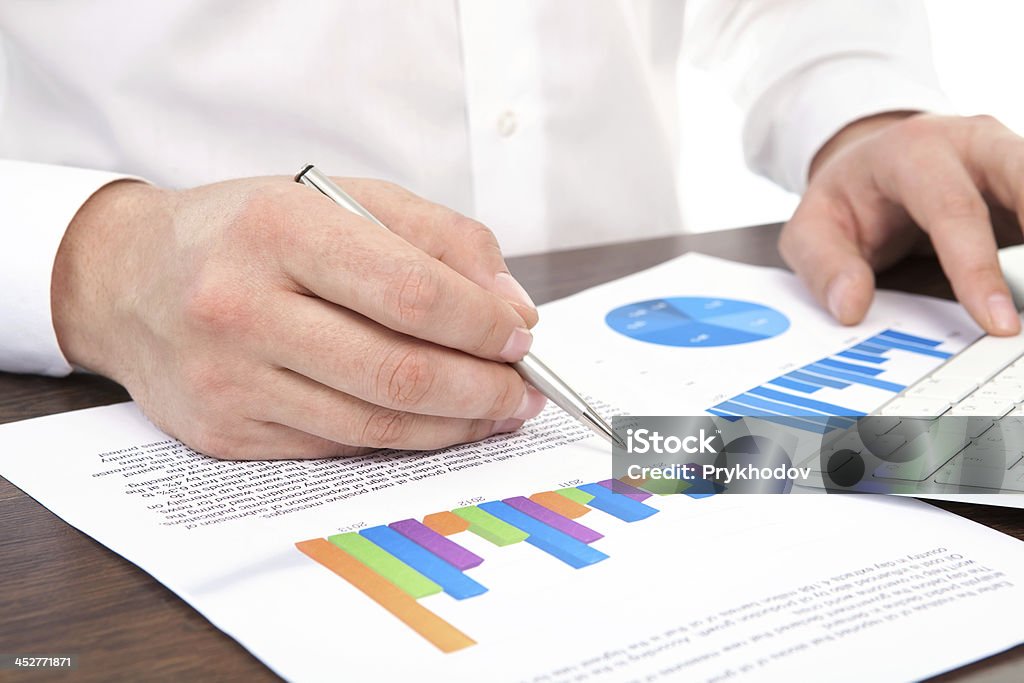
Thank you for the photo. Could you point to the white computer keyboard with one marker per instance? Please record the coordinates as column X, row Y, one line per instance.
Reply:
column 985, row 379
column 984, row 383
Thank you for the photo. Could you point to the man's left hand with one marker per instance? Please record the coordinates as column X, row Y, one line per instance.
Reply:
column 883, row 183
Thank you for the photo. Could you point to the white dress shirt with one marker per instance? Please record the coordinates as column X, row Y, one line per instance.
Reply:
column 554, row 122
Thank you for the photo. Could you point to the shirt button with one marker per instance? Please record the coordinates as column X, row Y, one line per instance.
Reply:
column 507, row 124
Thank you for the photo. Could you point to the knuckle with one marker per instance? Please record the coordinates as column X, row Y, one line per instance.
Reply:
column 478, row 429
column 964, row 205
column 506, row 398
column 474, row 232
column 217, row 308
column 258, row 213
column 405, row 378
column 414, row 293
column 212, row 438
column 488, row 331
column 916, row 129
column 385, row 428
column 985, row 120
column 477, row 237
column 785, row 242
column 981, row 271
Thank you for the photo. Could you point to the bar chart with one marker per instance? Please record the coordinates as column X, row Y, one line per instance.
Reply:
column 849, row 384
column 397, row 564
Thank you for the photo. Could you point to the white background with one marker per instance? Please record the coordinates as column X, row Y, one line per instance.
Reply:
column 978, row 58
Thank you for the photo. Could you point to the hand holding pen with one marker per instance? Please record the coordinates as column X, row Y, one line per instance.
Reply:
column 254, row 319
column 529, row 367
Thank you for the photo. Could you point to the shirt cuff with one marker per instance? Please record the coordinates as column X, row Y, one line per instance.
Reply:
column 37, row 203
column 818, row 102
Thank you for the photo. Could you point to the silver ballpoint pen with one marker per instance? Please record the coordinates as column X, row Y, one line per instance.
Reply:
column 530, row 368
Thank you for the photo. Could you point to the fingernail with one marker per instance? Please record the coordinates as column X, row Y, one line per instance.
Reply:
column 518, row 344
column 505, row 426
column 1003, row 315
column 531, row 406
column 509, row 289
column 836, row 295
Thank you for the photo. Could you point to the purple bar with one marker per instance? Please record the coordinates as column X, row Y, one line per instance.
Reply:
column 639, row 495
column 553, row 519
column 449, row 551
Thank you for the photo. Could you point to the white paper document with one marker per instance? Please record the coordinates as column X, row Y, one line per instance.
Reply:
column 512, row 559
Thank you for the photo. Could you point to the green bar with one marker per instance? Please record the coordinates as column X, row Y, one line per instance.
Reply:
column 665, row 487
column 385, row 564
column 489, row 527
column 574, row 494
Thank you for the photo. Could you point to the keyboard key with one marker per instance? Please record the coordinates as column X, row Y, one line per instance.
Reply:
column 920, row 458
column 1006, row 440
column 845, row 440
column 980, row 455
column 876, row 425
column 976, row 426
column 983, row 359
column 1014, row 393
column 832, row 462
column 1013, row 374
column 883, row 446
column 916, row 406
column 985, row 406
column 967, row 469
column 951, row 389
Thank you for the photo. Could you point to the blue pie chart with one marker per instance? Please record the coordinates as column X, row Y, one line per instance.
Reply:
column 697, row 321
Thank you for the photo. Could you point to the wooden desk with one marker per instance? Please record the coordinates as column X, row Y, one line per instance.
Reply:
column 62, row 593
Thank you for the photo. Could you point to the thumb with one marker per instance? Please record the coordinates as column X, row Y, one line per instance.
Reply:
column 824, row 254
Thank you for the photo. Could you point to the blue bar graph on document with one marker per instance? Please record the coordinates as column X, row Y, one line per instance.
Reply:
column 830, row 392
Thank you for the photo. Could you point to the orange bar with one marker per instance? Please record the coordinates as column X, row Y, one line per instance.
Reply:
column 560, row 504
column 439, row 632
column 445, row 523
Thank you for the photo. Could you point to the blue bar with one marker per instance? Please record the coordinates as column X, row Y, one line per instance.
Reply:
column 728, row 416
column 454, row 582
column 909, row 338
column 794, row 423
column 779, row 418
column 803, row 413
column 923, row 350
column 623, row 507
column 859, row 379
column 864, row 357
column 851, row 367
column 820, row 406
column 794, row 385
column 820, row 381
column 703, row 488
column 552, row 541
column 868, row 347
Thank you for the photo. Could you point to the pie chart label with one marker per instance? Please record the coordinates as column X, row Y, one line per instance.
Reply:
column 697, row 321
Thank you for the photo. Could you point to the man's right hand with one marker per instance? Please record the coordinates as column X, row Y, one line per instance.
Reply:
column 256, row 319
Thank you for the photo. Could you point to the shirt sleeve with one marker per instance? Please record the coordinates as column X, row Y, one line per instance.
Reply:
column 803, row 69
column 37, row 203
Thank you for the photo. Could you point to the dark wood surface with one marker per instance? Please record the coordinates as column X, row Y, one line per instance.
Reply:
column 63, row 593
